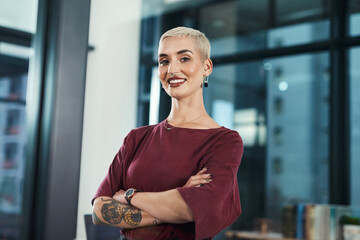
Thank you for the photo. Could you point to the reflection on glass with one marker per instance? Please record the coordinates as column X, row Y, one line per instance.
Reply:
column 355, row 24
column 273, row 38
column 289, row 11
column 355, row 125
column 239, row 26
column 242, row 26
column 298, row 34
column 12, row 141
column 280, row 108
column 354, row 10
column 16, row 15
column 297, row 119
column 19, row 14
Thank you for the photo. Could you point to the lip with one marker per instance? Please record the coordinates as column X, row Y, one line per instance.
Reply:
column 177, row 84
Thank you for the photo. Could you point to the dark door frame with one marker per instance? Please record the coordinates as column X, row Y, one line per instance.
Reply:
column 55, row 101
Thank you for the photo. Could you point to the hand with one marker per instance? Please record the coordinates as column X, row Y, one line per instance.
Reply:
column 199, row 179
column 119, row 196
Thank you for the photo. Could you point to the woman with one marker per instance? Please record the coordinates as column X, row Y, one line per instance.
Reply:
column 176, row 179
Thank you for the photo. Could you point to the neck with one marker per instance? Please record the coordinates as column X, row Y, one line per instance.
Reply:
column 184, row 110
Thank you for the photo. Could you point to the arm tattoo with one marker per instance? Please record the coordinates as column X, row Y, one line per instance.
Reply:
column 113, row 212
column 155, row 222
column 96, row 219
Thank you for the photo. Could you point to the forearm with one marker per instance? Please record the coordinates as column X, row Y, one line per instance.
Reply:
column 168, row 206
column 108, row 211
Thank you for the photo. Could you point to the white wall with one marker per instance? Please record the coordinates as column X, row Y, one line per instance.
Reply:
column 111, row 92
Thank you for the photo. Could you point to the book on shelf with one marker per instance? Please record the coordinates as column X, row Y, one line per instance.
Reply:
column 300, row 221
column 288, row 221
column 314, row 221
column 310, row 230
column 322, row 221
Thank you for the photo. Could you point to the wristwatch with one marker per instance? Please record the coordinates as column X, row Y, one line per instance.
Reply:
column 129, row 194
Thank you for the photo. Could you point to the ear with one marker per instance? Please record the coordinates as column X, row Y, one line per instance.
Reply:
column 208, row 67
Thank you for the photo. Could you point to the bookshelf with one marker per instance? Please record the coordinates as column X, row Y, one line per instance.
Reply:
column 256, row 235
column 307, row 221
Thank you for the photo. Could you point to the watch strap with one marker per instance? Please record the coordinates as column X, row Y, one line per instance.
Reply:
column 128, row 198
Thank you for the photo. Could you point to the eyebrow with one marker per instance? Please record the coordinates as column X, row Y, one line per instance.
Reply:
column 179, row 52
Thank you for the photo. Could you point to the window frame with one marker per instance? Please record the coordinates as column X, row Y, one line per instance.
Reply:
column 337, row 45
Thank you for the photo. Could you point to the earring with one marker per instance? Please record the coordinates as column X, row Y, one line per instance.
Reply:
column 206, row 81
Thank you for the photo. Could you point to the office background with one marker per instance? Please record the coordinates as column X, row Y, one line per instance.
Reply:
column 75, row 78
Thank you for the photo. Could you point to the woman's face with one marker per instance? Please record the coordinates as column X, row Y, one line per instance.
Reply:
column 181, row 68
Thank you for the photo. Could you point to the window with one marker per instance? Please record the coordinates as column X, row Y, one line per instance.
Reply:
column 243, row 26
column 17, row 23
column 273, row 82
column 355, row 126
column 354, row 9
column 280, row 107
column 13, row 83
column 19, row 15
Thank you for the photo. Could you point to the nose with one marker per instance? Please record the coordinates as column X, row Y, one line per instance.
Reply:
column 173, row 68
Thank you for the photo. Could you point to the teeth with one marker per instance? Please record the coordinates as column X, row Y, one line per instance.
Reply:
column 176, row 81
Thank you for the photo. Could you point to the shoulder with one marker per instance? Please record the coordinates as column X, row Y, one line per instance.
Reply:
column 143, row 129
column 136, row 136
column 229, row 135
column 140, row 132
column 228, row 140
column 227, row 149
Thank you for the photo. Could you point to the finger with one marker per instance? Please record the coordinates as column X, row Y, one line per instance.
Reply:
column 199, row 177
column 201, row 171
column 200, row 181
column 206, row 175
column 207, row 180
column 193, row 180
column 203, row 176
column 194, row 183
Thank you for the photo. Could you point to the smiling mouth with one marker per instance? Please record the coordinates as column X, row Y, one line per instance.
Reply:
column 175, row 82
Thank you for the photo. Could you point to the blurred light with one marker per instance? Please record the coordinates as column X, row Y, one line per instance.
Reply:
column 154, row 98
column 223, row 112
column 244, row 116
column 248, row 134
column 174, row 1
column 267, row 66
column 218, row 23
column 283, row 86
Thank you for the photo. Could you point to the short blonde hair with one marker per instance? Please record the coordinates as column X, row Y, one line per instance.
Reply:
column 199, row 38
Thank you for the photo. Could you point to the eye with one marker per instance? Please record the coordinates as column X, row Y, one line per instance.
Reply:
column 163, row 62
column 185, row 59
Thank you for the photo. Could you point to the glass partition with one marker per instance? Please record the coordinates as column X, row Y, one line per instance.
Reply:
column 274, row 84
column 19, row 14
column 17, row 18
column 280, row 107
column 354, row 10
column 243, row 26
column 13, row 84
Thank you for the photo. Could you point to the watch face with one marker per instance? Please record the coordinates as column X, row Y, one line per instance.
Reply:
column 129, row 192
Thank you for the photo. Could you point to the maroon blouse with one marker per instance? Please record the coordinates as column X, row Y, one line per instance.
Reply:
column 154, row 159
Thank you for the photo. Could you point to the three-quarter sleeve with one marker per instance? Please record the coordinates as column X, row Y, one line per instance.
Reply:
column 113, row 180
column 216, row 205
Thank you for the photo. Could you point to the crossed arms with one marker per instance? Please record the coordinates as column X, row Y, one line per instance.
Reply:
column 149, row 208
